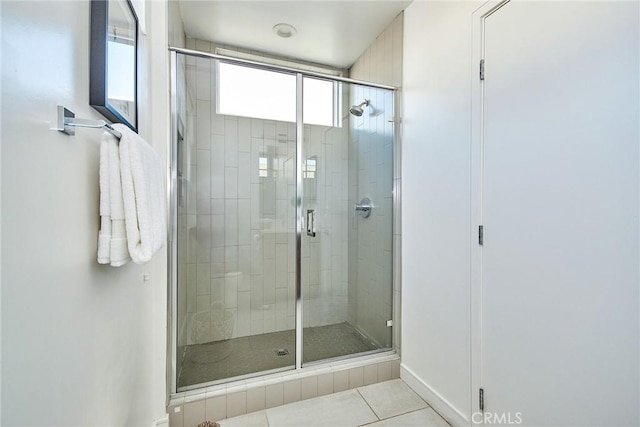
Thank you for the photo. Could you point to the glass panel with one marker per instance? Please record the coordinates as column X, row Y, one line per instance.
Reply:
column 236, row 235
column 347, row 265
column 250, row 92
column 319, row 102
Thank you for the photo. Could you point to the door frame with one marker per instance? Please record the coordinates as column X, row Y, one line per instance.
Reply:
column 476, row 293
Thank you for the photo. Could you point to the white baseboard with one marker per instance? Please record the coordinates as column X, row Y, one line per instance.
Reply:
column 162, row 422
column 449, row 412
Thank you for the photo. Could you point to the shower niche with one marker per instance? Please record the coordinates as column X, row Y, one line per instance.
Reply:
column 252, row 292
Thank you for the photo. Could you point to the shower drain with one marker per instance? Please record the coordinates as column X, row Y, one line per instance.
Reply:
column 282, row 352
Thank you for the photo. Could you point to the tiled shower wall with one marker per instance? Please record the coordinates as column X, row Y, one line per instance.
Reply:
column 237, row 247
column 372, row 158
column 183, row 102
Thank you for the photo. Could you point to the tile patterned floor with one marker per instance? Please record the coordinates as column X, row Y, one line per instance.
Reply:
column 239, row 356
column 387, row 404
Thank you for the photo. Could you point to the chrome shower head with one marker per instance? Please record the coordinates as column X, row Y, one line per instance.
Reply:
column 357, row 110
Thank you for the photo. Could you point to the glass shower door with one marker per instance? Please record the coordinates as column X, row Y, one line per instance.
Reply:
column 236, row 222
column 346, row 255
column 251, row 185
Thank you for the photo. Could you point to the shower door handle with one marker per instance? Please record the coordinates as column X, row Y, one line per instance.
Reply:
column 311, row 222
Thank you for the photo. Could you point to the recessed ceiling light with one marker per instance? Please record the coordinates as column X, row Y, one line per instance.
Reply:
column 285, row 30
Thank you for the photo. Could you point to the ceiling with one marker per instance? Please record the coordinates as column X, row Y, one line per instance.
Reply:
column 328, row 32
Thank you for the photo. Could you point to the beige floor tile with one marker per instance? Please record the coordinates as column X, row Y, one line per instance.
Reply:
column 391, row 398
column 345, row 409
column 256, row 419
column 422, row 418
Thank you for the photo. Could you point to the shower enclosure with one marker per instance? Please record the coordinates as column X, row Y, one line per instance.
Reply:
column 282, row 203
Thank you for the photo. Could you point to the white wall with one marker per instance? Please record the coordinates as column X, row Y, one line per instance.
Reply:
column 436, row 211
column 83, row 344
column 438, row 72
column 176, row 26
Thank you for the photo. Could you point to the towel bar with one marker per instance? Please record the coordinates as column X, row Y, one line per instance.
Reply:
column 66, row 122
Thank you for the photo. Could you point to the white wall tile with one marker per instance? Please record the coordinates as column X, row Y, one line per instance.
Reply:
column 244, row 314
column 231, row 182
column 231, row 142
column 203, row 274
column 194, row 413
column 176, row 416
column 257, row 127
column 215, row 408
column 217, row 120
column 217, row 206
column 236, row 404
column 231, row 222
column 244, row 135
column 356, row 377
column 203, row 124
column 244, row 175
column 202, row 45
column 203, row 233
column 203, row 182
column 217, row 167
column 325, row 384
column 274, row 395
column 340, row 381
column 256, row 400
column 203, row 79
column 309, row 387
column 231, row 290
column 291, row 391
column 218, row 232
column 244, row 222
column 370, row 374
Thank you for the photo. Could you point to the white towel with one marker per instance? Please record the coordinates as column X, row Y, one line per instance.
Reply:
column 144, row 196
column 119, row 252
column 112, row 240
column 104, row 235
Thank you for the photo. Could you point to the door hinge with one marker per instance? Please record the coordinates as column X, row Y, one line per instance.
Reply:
column 481, row 235
column 482, row 69
column 481, row 399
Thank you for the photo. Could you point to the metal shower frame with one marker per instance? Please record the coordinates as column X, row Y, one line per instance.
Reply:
column 172, row 252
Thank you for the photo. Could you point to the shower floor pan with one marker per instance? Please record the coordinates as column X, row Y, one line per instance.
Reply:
column 201, row 363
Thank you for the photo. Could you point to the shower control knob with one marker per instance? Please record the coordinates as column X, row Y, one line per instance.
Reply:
column 364, row 208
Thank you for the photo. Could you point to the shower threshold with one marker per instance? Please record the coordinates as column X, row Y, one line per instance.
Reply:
column 220, row 360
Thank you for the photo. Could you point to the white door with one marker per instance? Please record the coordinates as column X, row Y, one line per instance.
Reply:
column 560, row 197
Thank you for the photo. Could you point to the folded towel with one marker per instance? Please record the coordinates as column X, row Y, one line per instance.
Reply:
column 104, row 235
column 144, row 196
column 112, row 240
column 119, row 249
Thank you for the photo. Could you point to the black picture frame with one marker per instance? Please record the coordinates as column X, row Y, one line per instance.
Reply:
column 98, row 68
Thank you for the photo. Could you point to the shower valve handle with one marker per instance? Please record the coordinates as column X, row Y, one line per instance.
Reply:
column 364, row 208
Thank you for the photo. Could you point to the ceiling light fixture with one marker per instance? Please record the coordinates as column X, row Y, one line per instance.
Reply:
column 285, row 30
